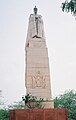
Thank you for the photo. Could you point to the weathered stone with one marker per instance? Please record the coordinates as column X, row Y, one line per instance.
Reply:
column 37, row 76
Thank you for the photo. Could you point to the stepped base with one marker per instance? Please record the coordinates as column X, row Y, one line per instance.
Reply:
column 48, row 104
column 44, row 104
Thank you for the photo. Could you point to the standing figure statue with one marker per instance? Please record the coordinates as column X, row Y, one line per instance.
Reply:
column 35, row 10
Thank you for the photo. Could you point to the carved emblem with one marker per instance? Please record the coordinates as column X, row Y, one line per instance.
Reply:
column 38, row 81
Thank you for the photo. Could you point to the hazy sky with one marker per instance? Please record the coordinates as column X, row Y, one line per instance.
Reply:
column 60, row 32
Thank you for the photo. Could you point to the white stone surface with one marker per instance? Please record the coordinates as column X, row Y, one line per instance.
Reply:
column 37, row 75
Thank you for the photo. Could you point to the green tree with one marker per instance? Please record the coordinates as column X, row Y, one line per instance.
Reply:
column 4, row 114
column 67, row 100
column 31, row 101
column 69, row 6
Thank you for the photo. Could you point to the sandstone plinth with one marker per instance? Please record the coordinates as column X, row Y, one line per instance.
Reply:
column 39, row 114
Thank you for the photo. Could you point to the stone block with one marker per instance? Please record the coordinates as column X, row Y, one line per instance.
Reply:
column 39, row 114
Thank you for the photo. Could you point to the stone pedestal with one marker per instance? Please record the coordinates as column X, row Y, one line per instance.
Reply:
column 44, row 104
column 48, row 104
column 39, row 114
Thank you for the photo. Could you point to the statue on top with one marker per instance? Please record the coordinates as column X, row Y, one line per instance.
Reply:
column 35, row 10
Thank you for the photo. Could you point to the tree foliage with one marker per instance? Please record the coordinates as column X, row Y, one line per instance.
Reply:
column 69, row 6
column 32, row 101
column 4, row 114
column 67, row 100
column 16, row 105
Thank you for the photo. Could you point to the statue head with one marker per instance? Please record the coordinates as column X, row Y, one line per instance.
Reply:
column 35, row 10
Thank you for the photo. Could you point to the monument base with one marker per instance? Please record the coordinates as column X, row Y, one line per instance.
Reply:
column 39, row 114
column 48, row 104
column 43, row 104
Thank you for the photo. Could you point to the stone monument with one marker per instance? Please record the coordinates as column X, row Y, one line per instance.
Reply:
column 37, row 74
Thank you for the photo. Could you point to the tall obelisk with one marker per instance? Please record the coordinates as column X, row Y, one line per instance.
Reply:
column 37, row 75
